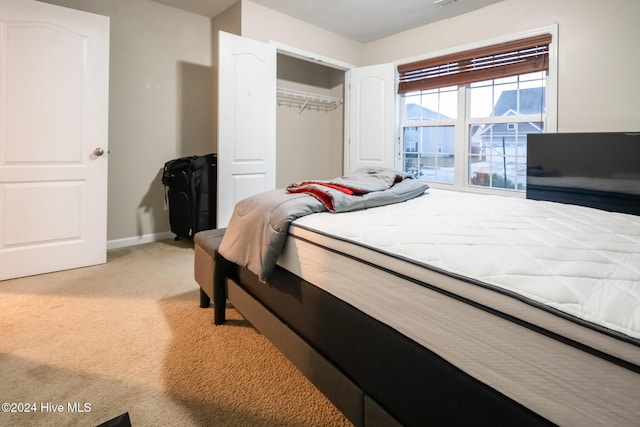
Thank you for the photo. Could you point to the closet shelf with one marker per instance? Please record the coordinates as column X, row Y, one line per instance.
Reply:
column 306, row 100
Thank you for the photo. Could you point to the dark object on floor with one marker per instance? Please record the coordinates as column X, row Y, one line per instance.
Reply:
column 119, row 421
column 191, row 184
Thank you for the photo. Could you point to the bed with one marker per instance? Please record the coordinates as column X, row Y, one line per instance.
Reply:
column 459, row 309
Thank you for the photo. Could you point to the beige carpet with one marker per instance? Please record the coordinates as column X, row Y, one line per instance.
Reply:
column 129, row 336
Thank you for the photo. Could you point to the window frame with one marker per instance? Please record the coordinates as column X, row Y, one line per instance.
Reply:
column 461, row 162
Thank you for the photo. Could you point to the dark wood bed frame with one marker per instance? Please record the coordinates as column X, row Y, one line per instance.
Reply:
column 372, row 373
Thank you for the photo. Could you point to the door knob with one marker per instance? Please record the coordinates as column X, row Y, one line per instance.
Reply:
column 98, row 152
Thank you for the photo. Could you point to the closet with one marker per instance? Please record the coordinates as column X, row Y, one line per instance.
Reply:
column 285, row 115
column 309, row 121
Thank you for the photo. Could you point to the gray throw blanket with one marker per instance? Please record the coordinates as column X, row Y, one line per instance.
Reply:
column 258, row 227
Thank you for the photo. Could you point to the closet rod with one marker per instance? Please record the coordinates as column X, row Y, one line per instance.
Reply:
column 302, row 100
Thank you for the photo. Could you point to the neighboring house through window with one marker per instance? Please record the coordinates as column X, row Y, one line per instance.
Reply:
column 465, row 115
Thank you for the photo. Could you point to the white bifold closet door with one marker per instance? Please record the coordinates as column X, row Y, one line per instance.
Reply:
column 371, row 118
column 54, row 87
column 246, row 121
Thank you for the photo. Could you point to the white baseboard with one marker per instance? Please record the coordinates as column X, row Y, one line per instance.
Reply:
column 138, row 240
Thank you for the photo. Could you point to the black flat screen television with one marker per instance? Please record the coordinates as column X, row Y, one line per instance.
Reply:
column 598, row 170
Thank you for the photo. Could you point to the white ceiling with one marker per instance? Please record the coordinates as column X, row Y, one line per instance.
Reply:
column 360, row 20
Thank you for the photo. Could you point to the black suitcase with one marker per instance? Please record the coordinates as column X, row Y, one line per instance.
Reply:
column 190, row 191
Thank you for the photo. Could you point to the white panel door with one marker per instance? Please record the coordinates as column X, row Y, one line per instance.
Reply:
column 371, row 125
column 246, row 121
column 54, row 65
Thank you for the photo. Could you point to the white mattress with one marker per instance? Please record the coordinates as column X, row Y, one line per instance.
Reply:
column 497, row 286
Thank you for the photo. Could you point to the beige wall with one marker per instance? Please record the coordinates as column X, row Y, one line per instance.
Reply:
column 162, row 107
column 263, row 24
column 159, row 107
column 593, row 94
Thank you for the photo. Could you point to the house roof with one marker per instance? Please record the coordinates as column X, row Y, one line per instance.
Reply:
column 532, row 101
column 418, row 112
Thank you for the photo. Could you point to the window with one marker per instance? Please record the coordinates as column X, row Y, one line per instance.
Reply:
column 474, row 133
column 428, row 134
